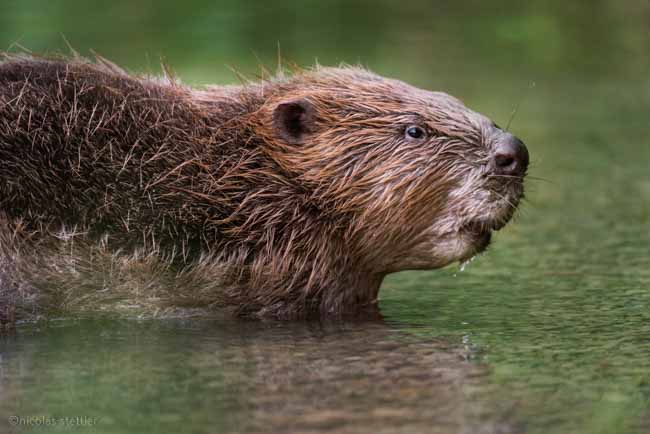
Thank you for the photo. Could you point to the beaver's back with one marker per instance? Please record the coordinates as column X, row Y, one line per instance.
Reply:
column 86, row 144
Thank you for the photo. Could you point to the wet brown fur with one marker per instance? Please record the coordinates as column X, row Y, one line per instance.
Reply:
column 146, row 193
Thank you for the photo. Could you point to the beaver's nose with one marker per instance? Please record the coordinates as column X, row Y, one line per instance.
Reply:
column 510, row 157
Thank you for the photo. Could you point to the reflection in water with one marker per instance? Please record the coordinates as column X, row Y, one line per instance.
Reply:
column 232, row 376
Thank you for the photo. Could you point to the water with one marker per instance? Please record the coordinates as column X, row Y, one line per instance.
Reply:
column 234, row 376
column 548, row 332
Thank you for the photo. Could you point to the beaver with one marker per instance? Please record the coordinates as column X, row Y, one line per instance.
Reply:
column 287, row 197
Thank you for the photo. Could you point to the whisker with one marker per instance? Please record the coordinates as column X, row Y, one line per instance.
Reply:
column 528, row 177
column 505, row 199
column 505, row 176
column 516, row 109
column 537, row 178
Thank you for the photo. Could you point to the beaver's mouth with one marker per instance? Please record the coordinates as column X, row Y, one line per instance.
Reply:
column 480, row 232
column 477, row 236
column 496, row 217
column 469, row 234
column 479, row 227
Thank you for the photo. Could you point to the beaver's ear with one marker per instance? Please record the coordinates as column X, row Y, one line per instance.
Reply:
column 294, row 120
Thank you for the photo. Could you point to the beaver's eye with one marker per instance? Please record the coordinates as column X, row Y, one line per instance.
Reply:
column 414, row 132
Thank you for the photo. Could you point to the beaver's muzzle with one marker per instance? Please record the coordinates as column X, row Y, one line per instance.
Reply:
column 510, row 157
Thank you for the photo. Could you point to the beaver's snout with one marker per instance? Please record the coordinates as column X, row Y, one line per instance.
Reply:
column 510, row 157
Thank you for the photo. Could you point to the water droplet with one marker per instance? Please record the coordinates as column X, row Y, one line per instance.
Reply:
column 465, row 263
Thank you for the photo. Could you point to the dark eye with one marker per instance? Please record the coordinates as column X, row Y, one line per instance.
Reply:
column 414, row 132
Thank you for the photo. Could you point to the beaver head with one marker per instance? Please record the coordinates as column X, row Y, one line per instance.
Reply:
column 418, row 179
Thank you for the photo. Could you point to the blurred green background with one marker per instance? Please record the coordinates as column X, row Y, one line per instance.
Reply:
column 421, row 41
column 559, row 309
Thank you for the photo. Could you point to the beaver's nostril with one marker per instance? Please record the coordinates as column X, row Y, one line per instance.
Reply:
column 504, row 160
column 510, row 157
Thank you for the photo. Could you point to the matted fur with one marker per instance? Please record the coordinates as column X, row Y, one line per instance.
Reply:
column 140, row 193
